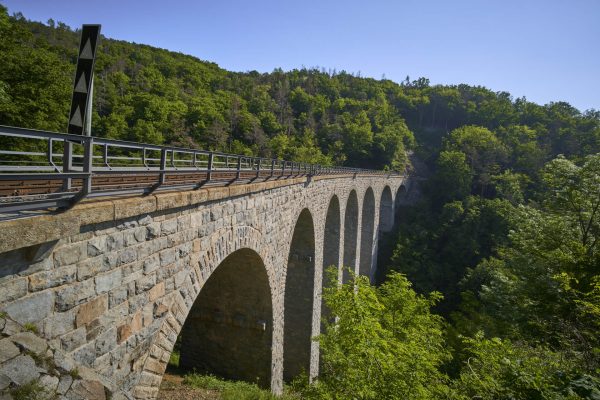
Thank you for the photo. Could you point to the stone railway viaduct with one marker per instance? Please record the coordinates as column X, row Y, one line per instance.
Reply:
column 236, row 272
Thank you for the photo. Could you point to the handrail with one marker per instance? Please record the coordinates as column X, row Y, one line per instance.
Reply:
column 70, row 167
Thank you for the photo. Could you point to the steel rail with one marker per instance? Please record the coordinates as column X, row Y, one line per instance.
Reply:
column 60, row 169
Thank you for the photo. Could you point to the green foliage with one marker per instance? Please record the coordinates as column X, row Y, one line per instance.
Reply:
column 499, row 369
column 384, row 343
column 232, row 390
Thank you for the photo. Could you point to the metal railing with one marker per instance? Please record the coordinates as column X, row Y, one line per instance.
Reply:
column 56, row 170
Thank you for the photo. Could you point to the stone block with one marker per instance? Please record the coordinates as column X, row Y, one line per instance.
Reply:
column 156, row 292
column 106, row 341
column 127, row 256
column 56, row 277
column 169, row 201
column 108, row 281
column 74, row 294
column 21, row 370
column 25, row 232
column 69, row 254
column 145, row 283
column 85, row 389
column 167, row 257
column 96, row 246
column 132, row 207
column 8, row 350
column 32, row 308
column 73, row 340
column 89, row 213
column 117, row 296
column 59, row 323
column 91, row 267
column 91, row 310
column 168, row 227
column 12, row 289
column 29, row 341
column 151, row 264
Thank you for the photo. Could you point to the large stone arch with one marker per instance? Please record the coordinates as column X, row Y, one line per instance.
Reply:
column 298, row 300
column 350, row 234
column 228, row 331
column 367, row 232
column 175, row 307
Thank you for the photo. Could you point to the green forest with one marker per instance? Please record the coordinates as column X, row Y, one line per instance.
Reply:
column 490, row 287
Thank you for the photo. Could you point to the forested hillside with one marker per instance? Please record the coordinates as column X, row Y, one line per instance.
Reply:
column 502, row 252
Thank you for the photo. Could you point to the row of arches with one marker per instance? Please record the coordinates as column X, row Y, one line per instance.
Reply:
column 229, row 329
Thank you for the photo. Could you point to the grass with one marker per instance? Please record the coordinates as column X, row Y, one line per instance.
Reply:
column 232, row 390
column 31, row 391
column 228, row 390
column 30, row 327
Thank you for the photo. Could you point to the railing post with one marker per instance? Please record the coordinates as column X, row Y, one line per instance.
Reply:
column 272, row 168
column 67, row 164
column 88, row 161
column 210, row 166
column 163, row 167
column 239, row 168
column 282, row 168
column 258, row 168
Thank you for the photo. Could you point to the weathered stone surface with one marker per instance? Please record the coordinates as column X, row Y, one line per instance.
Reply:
column 21, row 369
column 72, row 295
column 156, row 292
column 73, row 340
column 88, row 390
column 64, row 384
column 52, row 278
column 7, row 350
column 91, row 310
column 49, row 383
column 70, row 254
column 13, row 289
column 4, row 381
column 96, row 246
column 30, row 309
column 24, row 232
column 29, row 341
column 108, row 281
column 125, row 208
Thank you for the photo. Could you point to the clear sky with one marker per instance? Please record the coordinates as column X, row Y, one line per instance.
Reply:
column 545, row 50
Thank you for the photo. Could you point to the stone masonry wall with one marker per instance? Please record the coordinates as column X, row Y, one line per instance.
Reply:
column 109, row 284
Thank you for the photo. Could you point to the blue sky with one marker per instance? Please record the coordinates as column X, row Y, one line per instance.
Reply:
column 544, row 50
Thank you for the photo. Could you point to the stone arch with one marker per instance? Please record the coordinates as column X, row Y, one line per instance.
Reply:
column 174, row 308
column 228, row 331
column 367, row 232
column 386, row 210
column 331, row 244
column 298, row 300
column 350, row 234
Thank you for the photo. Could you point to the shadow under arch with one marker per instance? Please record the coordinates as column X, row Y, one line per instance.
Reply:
column 298, row 300
column 228, row 331
column 367, row 231
column 401, row 198
column 350, row 235
column 386, row 210
column 331, row 246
